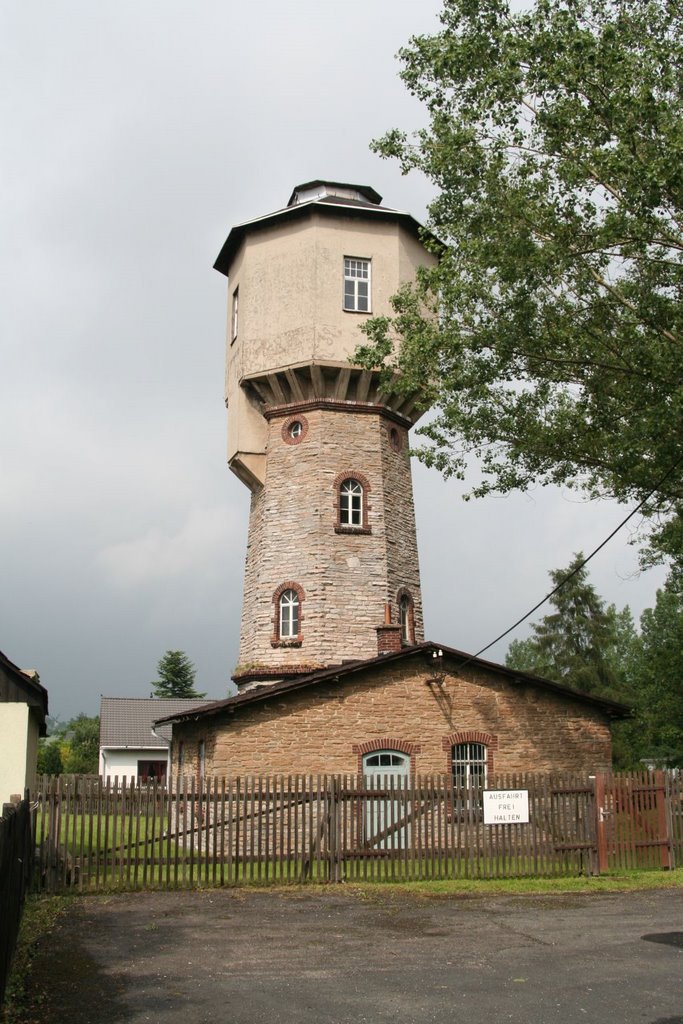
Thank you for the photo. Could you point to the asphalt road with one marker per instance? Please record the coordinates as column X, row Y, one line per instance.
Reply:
column 339, row 956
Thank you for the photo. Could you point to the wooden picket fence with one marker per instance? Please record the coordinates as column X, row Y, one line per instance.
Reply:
column 94, row 836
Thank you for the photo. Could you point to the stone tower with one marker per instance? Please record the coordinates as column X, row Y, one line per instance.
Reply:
column 332, row 570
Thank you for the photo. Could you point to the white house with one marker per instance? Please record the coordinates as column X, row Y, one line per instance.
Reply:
column 23, row 710
column 129, row 744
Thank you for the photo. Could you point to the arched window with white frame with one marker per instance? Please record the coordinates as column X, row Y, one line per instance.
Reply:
column 351, row 503
column 289, row 612
column 287, row 615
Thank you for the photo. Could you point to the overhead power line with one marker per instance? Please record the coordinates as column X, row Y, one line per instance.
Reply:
column 577, row 568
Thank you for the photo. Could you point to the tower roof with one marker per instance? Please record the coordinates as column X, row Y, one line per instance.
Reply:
column 339, row 190
column 334, row 198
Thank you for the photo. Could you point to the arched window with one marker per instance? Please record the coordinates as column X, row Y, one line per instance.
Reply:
column 289, row 615
column 351, row 503
column 390, row 761
column 406, row 617
column 469, row 762
column 287, row 601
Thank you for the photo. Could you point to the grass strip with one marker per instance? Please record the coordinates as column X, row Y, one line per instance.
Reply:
column 38, row 920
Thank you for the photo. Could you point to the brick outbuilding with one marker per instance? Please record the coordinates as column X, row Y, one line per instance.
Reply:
column 436, row 709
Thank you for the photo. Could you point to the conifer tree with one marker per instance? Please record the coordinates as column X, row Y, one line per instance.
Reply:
column 176, row 676
column 581, row 642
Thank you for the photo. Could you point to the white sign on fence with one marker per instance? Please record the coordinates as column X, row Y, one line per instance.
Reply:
column 505, row 806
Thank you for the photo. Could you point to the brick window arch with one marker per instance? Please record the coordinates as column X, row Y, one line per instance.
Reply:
column 294, row 429
column 471, row 738
column 401, row 746
column 288, row 602
column 406, row 616
column 351, row 506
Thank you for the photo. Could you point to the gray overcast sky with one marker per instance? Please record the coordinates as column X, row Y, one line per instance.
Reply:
column 135, row 135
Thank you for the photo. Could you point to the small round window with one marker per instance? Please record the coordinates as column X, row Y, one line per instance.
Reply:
column 294, row 430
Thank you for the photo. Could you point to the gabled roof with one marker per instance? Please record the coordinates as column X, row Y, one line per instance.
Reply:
column 18, row 684
column 426, row 652
column 128, row 721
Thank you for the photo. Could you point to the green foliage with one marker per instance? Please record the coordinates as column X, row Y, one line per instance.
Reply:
column 176, row 676
column 549, row 336
column 81, row 746
column 656, row 675
column 591, row 647
column 49, row 758
column 72, row 747
column 581, row 642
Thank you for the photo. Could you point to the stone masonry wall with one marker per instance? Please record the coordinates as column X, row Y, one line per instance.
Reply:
column 401, row 538
column 326, row 728
column 346, row 577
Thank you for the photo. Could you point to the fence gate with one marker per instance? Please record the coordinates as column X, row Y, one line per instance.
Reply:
column 631, row 821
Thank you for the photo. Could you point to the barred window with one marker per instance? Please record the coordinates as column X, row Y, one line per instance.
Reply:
column 469, row 765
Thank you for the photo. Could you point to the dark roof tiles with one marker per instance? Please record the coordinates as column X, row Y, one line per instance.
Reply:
column 128, row 721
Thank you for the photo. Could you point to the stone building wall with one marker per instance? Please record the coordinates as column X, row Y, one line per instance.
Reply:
column 346, row 578
column 327, row 727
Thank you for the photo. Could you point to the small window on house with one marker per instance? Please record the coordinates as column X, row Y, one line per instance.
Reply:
column 406, row 618
column 469, row 765
column 296, row 429
column 350, row 503
column 395, row 439
column 202, row 759
column 235, row 305
column 181, row 757
column 289, row 615
column 356, row 285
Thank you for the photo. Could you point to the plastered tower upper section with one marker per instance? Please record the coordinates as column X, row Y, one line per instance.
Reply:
column 290, row 334
column 332, row 570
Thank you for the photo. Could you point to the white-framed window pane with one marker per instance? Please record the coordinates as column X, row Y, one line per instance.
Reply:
column 351, row 503
column 289, row 615
column 356, row 284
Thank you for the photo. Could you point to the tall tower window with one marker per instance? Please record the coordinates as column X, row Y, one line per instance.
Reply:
column 287, row 601
column 406, row 618
column 356, row 285
column 289, row 615
column 350, row 503
column 235, row 311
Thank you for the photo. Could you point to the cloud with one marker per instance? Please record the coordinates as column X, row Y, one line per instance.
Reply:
column 160, row 555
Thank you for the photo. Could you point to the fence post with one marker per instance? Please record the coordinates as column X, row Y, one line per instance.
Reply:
column 663, row 830
column 334, row 872
column 600, row 826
